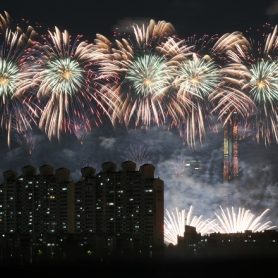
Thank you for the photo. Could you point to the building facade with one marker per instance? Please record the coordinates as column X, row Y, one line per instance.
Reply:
column 123, row 209
column 32, row 203
column 233, row 245
column 127, row 206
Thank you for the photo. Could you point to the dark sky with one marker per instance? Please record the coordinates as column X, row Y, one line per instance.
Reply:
column 189, row 17
column 257, row 188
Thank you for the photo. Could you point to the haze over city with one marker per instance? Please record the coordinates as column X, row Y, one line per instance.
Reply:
column 192, row 175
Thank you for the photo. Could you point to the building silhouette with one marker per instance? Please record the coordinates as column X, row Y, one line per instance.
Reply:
column 225, row 245
column 32, row 203
column 127, row 206
column 119, row 212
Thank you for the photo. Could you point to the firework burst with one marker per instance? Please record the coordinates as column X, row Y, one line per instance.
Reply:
column 251, row 78
column 16, row 72
column 243, row 220
column 197, row 79
column 142, row 73
column 66, row 81
column 139, row 154
column 174, row 224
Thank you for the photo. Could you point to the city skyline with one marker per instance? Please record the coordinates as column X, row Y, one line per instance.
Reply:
column 256, row 189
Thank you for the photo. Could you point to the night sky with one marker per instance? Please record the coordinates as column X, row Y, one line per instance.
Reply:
column 257, row 187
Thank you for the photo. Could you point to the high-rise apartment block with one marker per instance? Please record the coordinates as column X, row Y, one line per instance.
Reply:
column 125, row 207
column 128, row 205
column 42, row 203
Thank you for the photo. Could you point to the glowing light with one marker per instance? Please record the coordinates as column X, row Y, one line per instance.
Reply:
column 194, row 81
column 261, row 84
column 4, row 81
column 147, row 82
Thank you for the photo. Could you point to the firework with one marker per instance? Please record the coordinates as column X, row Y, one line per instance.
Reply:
column 5, row 22
column 197, row 79
column 252, row 74
column 66, row 81
column 243, row 220
column 179, row 166
column 16, row 72
column 174, row 224
column 142, row 73
column 139, row 154
column 80, row 125
column 26, row 138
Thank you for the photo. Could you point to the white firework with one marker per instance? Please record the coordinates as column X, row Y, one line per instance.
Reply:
column 174, row 224
column 243, row 220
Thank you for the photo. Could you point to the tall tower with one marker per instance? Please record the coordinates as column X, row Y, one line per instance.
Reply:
column 230, row 168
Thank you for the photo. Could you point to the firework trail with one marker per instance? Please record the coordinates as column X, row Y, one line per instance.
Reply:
column 66, row 81
column 243, row 220
column 5, row 22
column 142, row 71
column 26, row 138
column 139, row 154
column 80, row 125
column 174, row 224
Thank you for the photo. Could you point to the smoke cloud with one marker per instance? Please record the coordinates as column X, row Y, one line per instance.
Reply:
column 256, row 188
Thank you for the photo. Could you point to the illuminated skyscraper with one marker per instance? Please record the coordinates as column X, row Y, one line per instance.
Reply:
column 230, row 168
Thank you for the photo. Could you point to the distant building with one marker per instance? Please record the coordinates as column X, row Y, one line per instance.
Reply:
column 220, row 245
